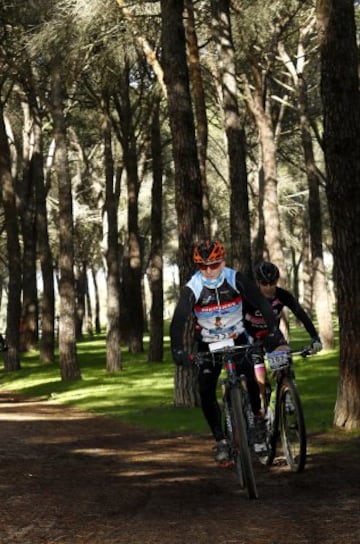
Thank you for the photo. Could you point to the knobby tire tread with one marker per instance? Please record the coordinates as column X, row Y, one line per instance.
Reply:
column 272, row 429
column 241, row 442
column 296, row 464
column 230, row 437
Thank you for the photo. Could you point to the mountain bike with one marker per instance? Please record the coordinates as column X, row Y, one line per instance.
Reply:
column 238, row 415
column 283, row 411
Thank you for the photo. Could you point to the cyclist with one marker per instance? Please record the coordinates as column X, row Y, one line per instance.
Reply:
column 267, row 276
column 214, row 296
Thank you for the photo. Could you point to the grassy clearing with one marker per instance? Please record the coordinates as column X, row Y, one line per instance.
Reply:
column 142, row 393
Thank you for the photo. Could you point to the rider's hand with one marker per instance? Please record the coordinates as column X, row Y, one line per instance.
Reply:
column 181, row 357
column 316, row 344
column 274, row 340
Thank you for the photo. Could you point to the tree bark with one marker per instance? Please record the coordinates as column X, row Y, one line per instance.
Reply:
column 235, row 134
column 30, row 312
column 133, row 258
column 320, row 296
column 47, row 303
column 12, row 360
column 198, row 93
column 69, row 368
column 341, row 112
column 188, row 191
column 273, row 238
column 156, row 346
column 112, row 196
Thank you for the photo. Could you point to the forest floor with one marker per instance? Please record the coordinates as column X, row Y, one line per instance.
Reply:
column 69, row 477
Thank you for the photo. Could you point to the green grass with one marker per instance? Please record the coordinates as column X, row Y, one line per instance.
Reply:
column 142, row 393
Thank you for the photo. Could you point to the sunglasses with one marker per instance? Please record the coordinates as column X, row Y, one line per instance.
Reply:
column 265, row 283
column 212, row 266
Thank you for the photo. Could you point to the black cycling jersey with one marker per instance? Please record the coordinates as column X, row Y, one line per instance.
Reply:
column 255, row 324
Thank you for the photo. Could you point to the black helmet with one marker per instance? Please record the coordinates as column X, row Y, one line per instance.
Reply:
column 267, row 272
column 208, row 251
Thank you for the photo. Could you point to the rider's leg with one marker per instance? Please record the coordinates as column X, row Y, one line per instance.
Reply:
column 208, row 378
column 260, row 375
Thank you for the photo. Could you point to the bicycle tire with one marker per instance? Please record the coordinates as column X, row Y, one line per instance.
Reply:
column 238, row 465
column 234, row 454
column 236, row 450
column 267, row 459
column 241, row 442
column 292, row 426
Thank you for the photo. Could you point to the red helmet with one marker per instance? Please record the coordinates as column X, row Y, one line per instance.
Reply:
column 208, row 251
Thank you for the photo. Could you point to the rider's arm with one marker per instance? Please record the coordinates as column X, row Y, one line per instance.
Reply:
column 252, row 293
column 292, row 303
column 182, row 312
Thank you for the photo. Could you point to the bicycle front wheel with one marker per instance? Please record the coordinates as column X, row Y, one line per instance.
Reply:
column 292, row 426
column 241, row 443
column 234, row 452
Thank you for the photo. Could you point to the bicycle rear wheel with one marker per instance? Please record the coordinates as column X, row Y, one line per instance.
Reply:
column 292, row 426
column 241, row 444
column 271, row 430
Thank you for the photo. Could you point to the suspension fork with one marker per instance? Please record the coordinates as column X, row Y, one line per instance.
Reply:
column 249, row 414
column 230, row 367
column 226, row 383
column 226, row 406
column 278, row 382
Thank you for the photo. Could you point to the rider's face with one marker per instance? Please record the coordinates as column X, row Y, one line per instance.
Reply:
column 267, row 288
column 212, row 270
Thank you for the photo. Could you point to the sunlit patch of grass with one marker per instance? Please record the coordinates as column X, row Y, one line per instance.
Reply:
column 142, row 393
column 337, row 442
column 317, row 378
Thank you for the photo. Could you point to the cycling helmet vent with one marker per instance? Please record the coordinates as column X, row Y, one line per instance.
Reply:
column 267, row 272
column 208, row 251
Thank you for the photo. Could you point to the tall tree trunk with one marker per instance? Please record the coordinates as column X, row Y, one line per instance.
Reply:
column 306, row 270
column 69, row 368
column 12, row 360
column 88, row 305
column 259, row 238
column 47, row 304
column 320, row 297
column 188, row 190
column 341, row 111
column 80, row 290
column 198, row 93
column 97, row 301
column 28, row 227
column 273, row 238
column 133, row 262
column 156, row 347
column 235, row 134
column 112, row 195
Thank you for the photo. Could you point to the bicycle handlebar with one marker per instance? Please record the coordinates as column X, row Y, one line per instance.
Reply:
column 217, row 356
column 304, row 352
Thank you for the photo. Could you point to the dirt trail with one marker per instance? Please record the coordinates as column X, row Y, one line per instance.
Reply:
column 68, row 477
